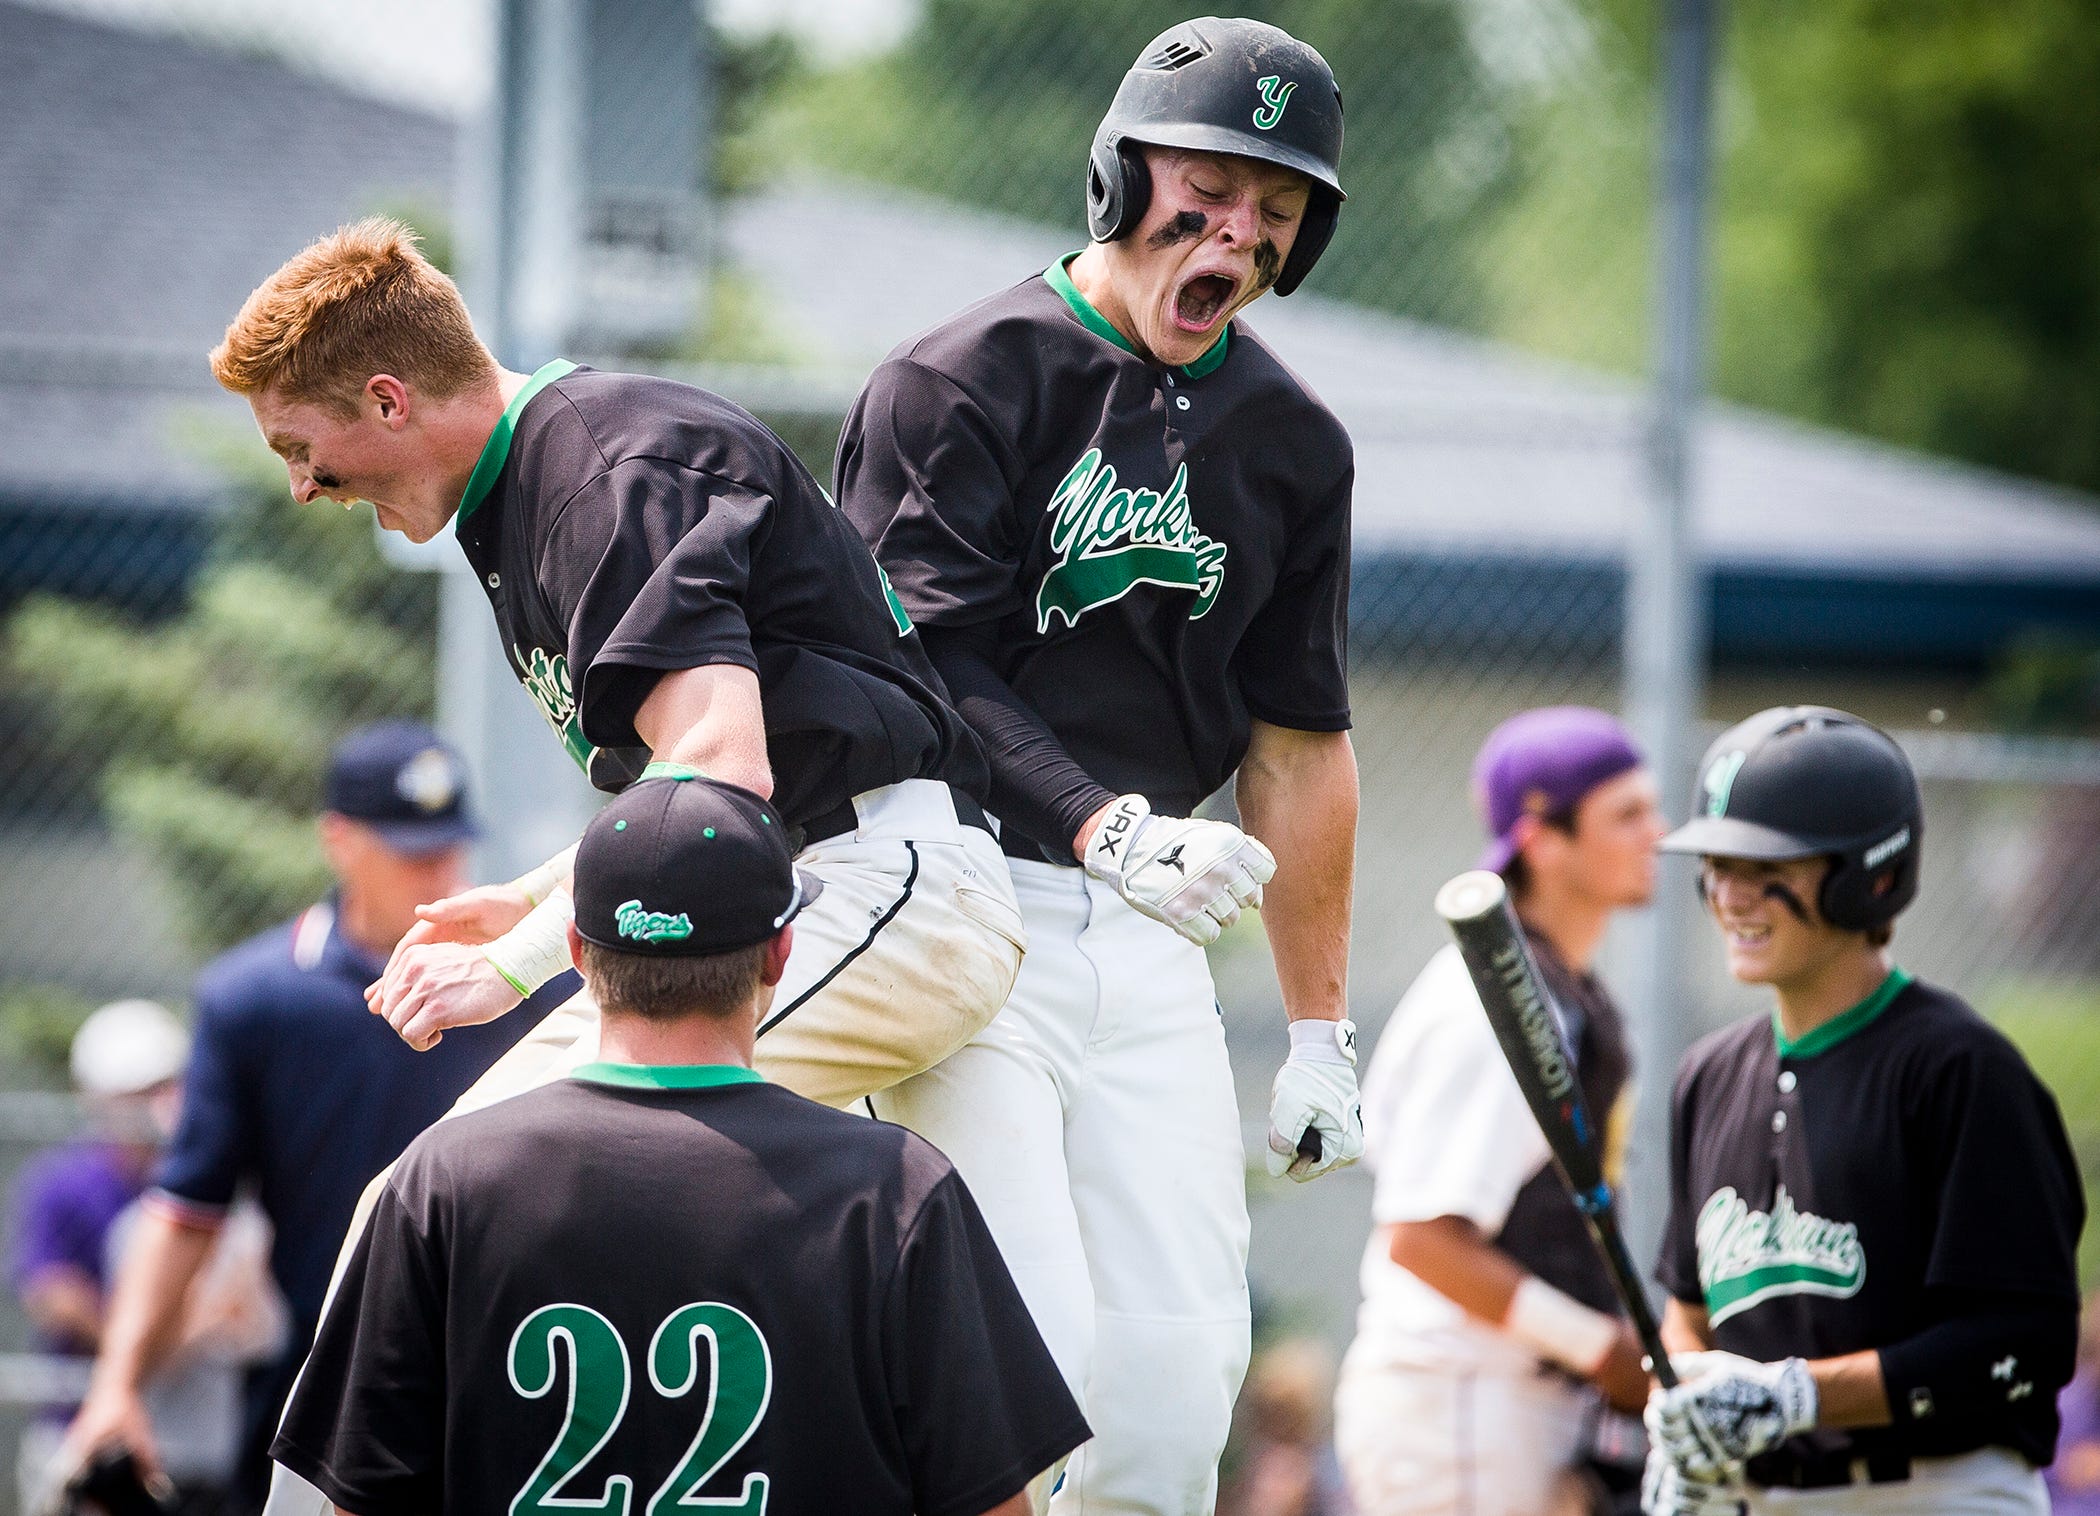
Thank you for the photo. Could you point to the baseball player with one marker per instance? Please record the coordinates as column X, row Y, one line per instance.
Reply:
column 1873, row 1205
column 1490, row 1327
column 671, row 585
column 1122, row 526
column 665, row 1280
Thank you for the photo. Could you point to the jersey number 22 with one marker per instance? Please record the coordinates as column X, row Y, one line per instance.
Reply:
column 599, row 1383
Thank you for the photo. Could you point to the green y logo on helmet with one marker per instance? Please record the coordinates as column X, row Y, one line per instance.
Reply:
column 1109, row 541
column 644, row 925
column 1275, row 95
column 1720, row 779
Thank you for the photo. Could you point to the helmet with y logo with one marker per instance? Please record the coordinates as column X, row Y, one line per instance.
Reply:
column 1806, row 781
column 1221, row 85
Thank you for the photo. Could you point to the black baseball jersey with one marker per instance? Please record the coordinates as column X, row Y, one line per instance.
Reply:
column 1163, row 551
column 643, row 1290
column 624, row 526
column 1543, row 1231
column 1830, row 1196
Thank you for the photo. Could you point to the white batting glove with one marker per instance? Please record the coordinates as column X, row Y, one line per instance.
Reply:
column 1196, row 876
column 1665, row 1491
column 1727, row 1409
column 1316, row 1090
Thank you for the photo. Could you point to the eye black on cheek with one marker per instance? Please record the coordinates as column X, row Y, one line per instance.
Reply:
column 1185, row 227
column 1268, row 263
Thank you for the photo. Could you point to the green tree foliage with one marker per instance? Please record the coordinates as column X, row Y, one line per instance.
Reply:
column 208, row 732
column 1939, row 176
column 1906, row 227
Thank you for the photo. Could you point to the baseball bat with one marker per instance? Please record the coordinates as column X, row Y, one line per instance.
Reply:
column 1476, row 907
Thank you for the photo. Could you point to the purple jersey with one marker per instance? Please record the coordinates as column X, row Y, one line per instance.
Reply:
column 2074, row 1479
column 65, row 1204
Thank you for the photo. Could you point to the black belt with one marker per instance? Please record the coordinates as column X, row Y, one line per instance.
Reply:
column 1828, row 1470
column 841, row 819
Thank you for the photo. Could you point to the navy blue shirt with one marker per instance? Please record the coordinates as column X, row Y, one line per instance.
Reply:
column 294, row 1085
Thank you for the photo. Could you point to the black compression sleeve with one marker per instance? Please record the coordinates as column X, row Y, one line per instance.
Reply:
column 1035, row 784
column 1978, row 1375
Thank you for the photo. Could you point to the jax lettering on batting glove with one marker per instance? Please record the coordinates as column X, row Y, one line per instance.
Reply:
column 1665, row 1491
column 1196, row 876
column 1316, row 1088
column 1727, row 1409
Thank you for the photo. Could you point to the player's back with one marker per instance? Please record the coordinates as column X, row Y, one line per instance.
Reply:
column 690, row 1288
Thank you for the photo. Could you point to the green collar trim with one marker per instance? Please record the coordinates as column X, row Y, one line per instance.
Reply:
column 1843, row 1025
column 1059, row 278
column 660, row 768
column 496, row 451
column 667, row 1076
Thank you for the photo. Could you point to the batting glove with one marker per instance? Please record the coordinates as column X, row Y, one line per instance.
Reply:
column 1726, row 1410
column 1665, row 1491
column 1196, row 876
column 1315, row 1090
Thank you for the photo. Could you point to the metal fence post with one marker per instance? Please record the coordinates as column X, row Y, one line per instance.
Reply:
column 1666, row 632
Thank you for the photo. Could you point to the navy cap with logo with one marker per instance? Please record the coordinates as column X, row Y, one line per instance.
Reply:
column 405, row 782
column 681, row 865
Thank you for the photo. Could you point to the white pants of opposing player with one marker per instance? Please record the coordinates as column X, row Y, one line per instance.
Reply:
column 1094, row 1121
column 1988, row 1482
column 1423, row 1442
column 907, row 954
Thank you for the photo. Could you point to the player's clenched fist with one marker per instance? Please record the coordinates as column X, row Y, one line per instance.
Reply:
column 1316, row 1090
column 1196, row 876
column 1727, row 1409
column 431, row 986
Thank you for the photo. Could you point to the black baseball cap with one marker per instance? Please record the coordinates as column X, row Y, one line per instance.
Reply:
column 405, row 782
column 679, row 865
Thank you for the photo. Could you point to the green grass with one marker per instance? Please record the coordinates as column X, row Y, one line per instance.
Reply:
column 2057, row 1025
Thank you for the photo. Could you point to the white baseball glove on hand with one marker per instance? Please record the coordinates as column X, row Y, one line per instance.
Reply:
column 1194, row 875
column 1665, row 1491
column 1316, row 1089
column 1727, row 1409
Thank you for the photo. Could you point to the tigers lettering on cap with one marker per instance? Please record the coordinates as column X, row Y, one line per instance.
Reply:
column 681, row 865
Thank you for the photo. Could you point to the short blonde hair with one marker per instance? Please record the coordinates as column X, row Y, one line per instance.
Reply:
column 364, row 301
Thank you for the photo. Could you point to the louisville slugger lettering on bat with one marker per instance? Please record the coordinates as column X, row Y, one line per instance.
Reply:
column 1476, row 907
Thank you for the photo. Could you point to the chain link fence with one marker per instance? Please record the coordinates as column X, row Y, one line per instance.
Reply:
column 182, row 645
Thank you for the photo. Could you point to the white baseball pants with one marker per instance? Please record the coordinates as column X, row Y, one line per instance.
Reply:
column 1094, row 1120
column 1424, row 1442
column 1987, row 1482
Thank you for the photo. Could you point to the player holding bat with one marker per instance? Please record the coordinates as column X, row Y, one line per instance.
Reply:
column 1490, row 1326
column 1874, row 1209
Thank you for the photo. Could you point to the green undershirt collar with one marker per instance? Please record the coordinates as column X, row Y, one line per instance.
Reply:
column 663, row 768
column 1843, row 1025
column 1059, row 279
column 667, row 1076
column 496, row 450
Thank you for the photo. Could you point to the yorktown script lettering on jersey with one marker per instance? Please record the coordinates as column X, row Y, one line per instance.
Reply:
column 1747, row 1257
column 546, row 679
column 1109, row 540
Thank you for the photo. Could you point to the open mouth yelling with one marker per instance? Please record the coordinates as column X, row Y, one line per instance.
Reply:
column 1199, row 303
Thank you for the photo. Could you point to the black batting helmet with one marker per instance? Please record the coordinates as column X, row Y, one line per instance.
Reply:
column 1805, row 781
column 1223, row 86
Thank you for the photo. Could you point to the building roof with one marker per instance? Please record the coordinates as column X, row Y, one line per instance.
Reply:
column 1464, row 447
column 147, row 183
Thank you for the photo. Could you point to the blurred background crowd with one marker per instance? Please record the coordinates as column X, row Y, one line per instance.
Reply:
column 1892, row 493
